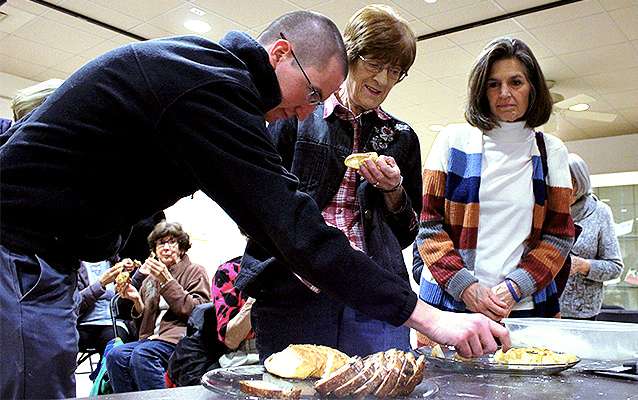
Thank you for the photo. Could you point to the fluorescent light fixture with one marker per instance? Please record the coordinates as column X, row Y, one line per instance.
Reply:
column 623, row 210
column 436, row 127
column 605, row 200
column 430, row 1
column 197, row 26
column 579, row 107
column 197, row 11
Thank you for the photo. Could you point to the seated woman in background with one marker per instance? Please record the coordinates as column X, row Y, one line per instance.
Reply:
column 172, row 287
column 95, row 283
column 596, row 254
column 495, row 227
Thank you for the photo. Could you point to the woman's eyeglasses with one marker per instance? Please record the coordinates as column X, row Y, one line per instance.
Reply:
column 395, row 73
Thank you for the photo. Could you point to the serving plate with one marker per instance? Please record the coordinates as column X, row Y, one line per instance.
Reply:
column 225, row 381
column 486, row 364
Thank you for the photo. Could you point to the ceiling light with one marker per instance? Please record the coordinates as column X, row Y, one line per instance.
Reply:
column 605, row 200
column 579, row 107
column 437, row 127
column 430, row 1
column 197, row 11
column 197, row 26
column 623, row 210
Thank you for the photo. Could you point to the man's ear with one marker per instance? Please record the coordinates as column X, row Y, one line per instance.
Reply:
column 278, row 51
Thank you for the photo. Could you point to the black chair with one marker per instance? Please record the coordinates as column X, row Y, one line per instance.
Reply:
column 85, row 354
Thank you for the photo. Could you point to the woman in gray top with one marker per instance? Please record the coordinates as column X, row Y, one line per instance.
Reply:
column 596, row 255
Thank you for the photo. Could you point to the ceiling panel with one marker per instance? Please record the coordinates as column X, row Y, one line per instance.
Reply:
column 587, row 47
column 580, row 34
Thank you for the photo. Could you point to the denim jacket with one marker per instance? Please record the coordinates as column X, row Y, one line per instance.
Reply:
column 314, row 150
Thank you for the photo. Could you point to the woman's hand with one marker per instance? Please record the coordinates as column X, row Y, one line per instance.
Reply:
column 159, row 270
column 383, row 174
column 579, row 266
column 129, row 292
column 502, row 292
column 109, row 275
column 481, row 299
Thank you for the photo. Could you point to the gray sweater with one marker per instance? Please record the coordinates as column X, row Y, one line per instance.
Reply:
column 583, row 295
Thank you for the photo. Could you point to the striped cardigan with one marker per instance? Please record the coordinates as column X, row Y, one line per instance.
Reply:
column 449, row 219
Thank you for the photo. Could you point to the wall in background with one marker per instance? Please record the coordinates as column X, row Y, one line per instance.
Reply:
column 607, row 155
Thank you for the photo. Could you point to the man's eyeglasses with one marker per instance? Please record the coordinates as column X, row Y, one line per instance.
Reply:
column 395, row 73
column 313, row 97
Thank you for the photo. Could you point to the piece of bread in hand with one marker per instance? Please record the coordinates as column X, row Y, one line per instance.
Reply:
column 262, row 388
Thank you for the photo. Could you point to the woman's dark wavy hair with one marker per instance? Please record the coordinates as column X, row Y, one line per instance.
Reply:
column 173, row 229
column 477, row 111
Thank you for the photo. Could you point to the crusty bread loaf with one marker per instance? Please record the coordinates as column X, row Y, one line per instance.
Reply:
column 373, row 383
column 417, row 376
column 304, row 361
column 407, row 370
column 342, row 375
column 267, row 389
column 369, row 366
column 394, row 360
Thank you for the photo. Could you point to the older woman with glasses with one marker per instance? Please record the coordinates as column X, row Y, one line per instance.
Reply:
column 596, row 254
column 161, row 297
column 375, row 206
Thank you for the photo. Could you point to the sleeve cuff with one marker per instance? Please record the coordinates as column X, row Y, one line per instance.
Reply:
column 459, row 282
column 523, row 279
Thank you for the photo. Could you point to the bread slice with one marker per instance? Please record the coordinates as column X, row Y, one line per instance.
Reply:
column 416, row 378
column 369, row 366
column 342, row 375
column 267, row 389
column 394, row 362
column 373, row 383
column 301, row 361
column 407, row 370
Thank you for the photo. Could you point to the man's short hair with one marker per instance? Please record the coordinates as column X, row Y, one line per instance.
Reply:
column 316, row 39
column 477, row 111
column 27, row 99
column 378, row 32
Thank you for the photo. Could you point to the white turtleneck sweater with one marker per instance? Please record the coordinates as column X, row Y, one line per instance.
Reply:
column 506, row 197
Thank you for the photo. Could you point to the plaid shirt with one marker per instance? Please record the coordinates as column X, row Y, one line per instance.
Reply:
column 343, row 211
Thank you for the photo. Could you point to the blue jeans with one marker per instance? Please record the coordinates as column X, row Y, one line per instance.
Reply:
column 360, row 335
column 138, row 365
column 38, row 334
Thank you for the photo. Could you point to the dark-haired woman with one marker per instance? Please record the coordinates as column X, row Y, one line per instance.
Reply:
column 495, row 227
column 171, row 288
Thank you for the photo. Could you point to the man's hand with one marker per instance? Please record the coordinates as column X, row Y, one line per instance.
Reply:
column 109, row 275
column 579, row 266
column 480, row 299
column 471, row 334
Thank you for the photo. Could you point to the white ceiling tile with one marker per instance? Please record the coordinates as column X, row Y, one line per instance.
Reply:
column 29, row 51
column 51, row 74
column 420, row 8
column 615, row 4
column 15, row 18
column 429, row 46
column 396, row 5
column 554, row 69
column 339, row 11
column 464, row 15
column 630, row 114
column 151, row 31
column 572, row 87
column 142, row 10
column 59, row 36
column 307, row 4
column 580, row 34
column 617, row 81
column 100, row 49
column 20, row 68
column 29, row 6
column 517, row 5
column 71, row 64
column 560, row 14
column 173, row 22
column 244, row 12
column 625, row 99
column 627, row 20
column 77, row 23
column 123, row 39
column 603, row 59
column 458, row 83
column 448, row 62
column 486, row 33
column 420, row 28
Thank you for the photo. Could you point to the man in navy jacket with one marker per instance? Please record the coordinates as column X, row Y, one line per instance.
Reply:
column 158, row 120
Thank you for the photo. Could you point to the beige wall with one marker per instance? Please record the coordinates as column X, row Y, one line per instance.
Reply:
column 607, row 155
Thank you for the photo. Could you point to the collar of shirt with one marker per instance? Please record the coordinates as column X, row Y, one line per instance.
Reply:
column 333, row 105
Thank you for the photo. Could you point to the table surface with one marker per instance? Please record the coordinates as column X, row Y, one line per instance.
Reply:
column 571, row 384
